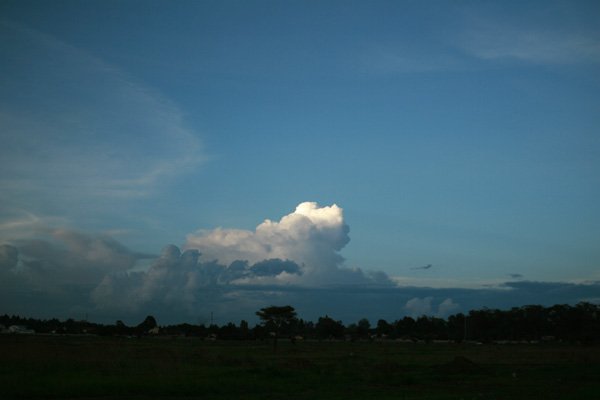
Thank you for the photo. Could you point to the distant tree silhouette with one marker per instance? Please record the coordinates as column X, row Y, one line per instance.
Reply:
column 384, row 328
column 362, row 329
column 327, row 328
column 561, row 322
column 147, row 324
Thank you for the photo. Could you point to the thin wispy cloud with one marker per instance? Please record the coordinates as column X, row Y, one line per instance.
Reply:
column 71, row 130
column 388, row 59
column 476, row 36
column 493, row 41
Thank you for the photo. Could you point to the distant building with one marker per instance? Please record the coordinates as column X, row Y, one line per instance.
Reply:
column 20, row 329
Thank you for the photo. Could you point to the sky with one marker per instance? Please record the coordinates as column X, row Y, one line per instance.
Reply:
column 187, row 158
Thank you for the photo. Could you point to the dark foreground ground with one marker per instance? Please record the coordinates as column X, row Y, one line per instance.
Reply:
column 36, row 367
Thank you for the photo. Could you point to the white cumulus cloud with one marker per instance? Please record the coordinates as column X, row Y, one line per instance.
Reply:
column 311, row 236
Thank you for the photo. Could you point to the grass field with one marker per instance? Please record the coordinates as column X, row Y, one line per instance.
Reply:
column 36, row 366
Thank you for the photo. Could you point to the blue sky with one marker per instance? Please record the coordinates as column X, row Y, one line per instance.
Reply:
column 459, row 134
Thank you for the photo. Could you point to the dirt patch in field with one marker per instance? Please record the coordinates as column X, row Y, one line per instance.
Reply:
column 388, row 368
column 460, row 365
column 299, row 364
column 352, row 357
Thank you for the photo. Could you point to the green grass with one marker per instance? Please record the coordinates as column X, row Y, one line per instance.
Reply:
column 33, row 367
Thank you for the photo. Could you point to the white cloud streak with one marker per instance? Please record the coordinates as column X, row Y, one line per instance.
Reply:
column 395, row 58
column 483, row 38
column 492, row 41
column 74, row 128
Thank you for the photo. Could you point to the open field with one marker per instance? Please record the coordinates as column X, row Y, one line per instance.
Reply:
column 66, row 367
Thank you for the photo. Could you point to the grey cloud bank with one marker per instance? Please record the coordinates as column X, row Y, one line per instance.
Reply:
column 300, row 251
column 233, row 273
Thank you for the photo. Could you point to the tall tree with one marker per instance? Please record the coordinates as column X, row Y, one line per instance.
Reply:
column 278, row 319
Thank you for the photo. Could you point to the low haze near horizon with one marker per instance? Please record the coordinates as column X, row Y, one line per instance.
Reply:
column 349, row 158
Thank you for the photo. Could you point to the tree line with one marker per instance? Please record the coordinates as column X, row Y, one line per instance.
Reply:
column 566, row 323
